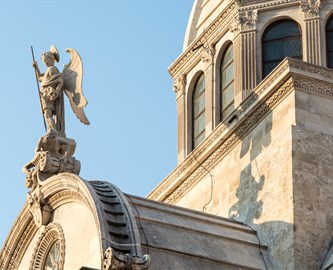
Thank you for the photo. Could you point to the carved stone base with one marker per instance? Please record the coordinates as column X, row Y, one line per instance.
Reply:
column 53, row 155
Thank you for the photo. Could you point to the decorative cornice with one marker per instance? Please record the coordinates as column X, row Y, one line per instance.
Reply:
column 310, row 8
column 261, row 4
column 193, row 53
column 315, row 87
column 242, row 9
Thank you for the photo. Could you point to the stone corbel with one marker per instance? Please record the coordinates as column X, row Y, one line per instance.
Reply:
column 244, row 21
column 179, row 85
column 116, row 261
column 310, row 8
column 208, row 54
column 39, row 209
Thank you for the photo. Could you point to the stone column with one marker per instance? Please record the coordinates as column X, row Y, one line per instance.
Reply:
column 208, row 60
column 244, row 28
column 312, row 31
column 179, row 88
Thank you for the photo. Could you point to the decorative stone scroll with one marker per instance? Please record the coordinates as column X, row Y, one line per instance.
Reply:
column 117, row 261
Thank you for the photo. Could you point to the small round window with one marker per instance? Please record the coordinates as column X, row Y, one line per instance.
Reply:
column 49, row 253
column 53, row 257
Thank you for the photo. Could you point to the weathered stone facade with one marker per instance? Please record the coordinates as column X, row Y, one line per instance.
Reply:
column 268, row 163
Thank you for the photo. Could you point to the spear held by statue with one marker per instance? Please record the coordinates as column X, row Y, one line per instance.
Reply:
column 39, row 93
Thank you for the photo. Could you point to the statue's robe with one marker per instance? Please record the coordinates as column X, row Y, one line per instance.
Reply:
column 53, row 78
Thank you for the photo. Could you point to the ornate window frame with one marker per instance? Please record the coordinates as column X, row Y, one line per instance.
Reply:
column 329, row 50
column 197, row 99
column 226, row 110
column 51, row 234
column 279, row 40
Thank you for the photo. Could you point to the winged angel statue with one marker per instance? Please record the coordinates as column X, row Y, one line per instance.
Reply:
column 53, row 86
column 55, row 152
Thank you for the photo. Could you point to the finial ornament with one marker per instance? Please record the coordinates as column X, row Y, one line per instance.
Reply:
column 54, row 151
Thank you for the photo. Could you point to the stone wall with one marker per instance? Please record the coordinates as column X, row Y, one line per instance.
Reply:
column 252, row 184
column 313, row 179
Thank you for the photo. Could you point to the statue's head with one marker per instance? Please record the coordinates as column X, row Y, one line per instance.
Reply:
column 48, row 58
column 51, row 56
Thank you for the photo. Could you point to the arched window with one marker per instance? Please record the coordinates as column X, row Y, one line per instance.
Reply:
column 198, row 108
column 329, row 42
column 282, row 38
column 227, row 82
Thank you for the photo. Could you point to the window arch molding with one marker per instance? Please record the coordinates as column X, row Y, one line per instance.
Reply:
column 328, row 51
column 264, row 26
column 218, row 82
column 190, row 109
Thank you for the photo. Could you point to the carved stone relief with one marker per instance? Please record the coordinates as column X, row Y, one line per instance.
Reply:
column 244, row 21
column 310, row 8
column 40, row 210
column 179, row 85
column 53, row 155
column 208, row 54
column 117, row 261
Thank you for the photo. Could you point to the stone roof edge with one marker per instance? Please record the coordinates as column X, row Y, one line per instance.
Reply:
column 197, row 216
column 181, row 211
column 271, row 91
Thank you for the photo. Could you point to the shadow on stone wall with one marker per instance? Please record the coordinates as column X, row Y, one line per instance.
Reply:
column 258, row 138
column 277, row 235
column 247, row 207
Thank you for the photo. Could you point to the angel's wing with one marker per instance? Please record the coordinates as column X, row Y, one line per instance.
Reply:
column 73, row 73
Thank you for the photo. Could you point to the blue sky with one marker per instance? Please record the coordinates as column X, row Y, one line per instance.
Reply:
column 126, row 47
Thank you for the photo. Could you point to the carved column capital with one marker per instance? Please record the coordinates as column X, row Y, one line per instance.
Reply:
column 310, row 8
column 208, row 54
column 179, row 85
column 116, row 261
column 244, row 21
